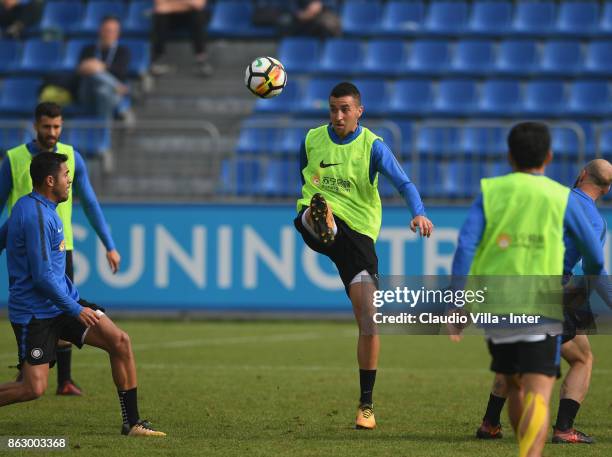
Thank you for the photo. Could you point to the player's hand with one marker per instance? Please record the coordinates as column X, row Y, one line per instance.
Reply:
column 88, row 317
column 114, row 259
column 423, row 224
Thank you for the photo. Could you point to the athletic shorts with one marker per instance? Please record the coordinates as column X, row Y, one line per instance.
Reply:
column 579, row 321
column 352, row 252
column 541, row 357
column 37, row 340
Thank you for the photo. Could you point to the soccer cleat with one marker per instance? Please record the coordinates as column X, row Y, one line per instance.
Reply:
column 571, row 436
column 322, row 219
column 365, row 417
column 141, row 428
column 68, row 388
column 486, row 431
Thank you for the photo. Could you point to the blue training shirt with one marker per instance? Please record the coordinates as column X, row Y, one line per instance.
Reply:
column 382, row 161
column 36, row 260
column 81, row 186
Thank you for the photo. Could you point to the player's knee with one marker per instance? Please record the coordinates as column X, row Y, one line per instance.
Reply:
column 122, row 344
column 35, row 390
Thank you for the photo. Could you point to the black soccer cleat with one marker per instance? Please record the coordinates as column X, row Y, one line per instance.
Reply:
column 322, row 219
column 488, row 431
column 571, row 436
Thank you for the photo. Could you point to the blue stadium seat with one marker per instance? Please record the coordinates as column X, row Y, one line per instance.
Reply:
column 590, row 98
column 258, row 140
column 565, row 143
column 605, row 24
column 411, row 97
column 89, row 140
column 40, row 57
column 437, row 141
column 517, row 57
column 384, row 57
column 473, row 57
column 461, row 179
column 455, row 97
column 500, row 98
column 138, row 18
column 361, row 17
column 140, row 55
column 388, row 137
column 13, row 136
column 281, row 178
column 561, row 58
column 498, row 168
column 233, row 19
column 535, row 18
column 62, row 16
column 578, row 18
column 245, row 176
column 373, row 96
column 406, row 130
column 72, row 53
column 429, row 57
column 316, row 96
column 402, row 18
column 490, row 17
column 483, row 141
column 299, row 54
column 287, row 102
column 446, row 17
column 341, row 56
column 19, row 96
column 598, row 61
column 9, row 55
column 605, row 141
column 291, row 139
column 564, row 172
column 544, row 98
column 96, row 11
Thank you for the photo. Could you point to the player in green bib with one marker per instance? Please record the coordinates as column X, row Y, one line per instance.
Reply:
column 339, row 164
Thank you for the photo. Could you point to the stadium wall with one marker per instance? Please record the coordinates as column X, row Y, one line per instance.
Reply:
column 220, row 258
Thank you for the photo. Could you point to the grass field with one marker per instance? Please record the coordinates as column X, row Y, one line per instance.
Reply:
column 279, row 388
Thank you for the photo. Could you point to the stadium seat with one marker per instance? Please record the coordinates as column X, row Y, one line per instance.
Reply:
column 240, row 176
column 341, row 56
column 361, row 17
column 62, row 16
column 281, row 178
column 40, row 57
column 411, row 97
column 89, row 140
column 565, row 142
column 534, row 18
column 233, row 19
column 605, row 141
column 483, row 141
column 299, row 54
column 455, row 97
column 11, row 136
column 605, row 24
column 287, row 102
column 429, row 57
column 561, row 58
column 517, row 57
column 138, row 18
column 402, row 18
column 437, row 141
column 578, row 18
column 544, row 98
column 9, row 55
column 140, row 56
column 499, row 98
column 473, row 57
column 384, row 57
column 316, row 96
column 406, row 147
column 563, row 171
column 373, row 96
column 461, row 179
column 291, row 140
column 490, row 17
column 390, row 136
column 72, row 53
column 446, row 17
column 498, row 168
column 19, row 96
column 256, row 140
column 590, row 98
column 598, row 61
column 96, row 11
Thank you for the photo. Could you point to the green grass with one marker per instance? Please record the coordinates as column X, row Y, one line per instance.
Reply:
column 278, row 388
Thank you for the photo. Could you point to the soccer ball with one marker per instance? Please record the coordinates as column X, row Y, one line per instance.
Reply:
column 265, row 77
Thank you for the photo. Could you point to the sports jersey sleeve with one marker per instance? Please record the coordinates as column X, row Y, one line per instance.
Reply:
column 581, row 233
column 90, row 202
column 3, row 236
column 37, row 234
column 384, row 162
column 469, row 238
column 6, row 182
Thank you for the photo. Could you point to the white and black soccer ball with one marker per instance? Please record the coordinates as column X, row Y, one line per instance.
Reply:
column 265, row 77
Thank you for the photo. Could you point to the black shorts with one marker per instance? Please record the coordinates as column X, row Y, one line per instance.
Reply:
column 37, row 340
column 578, row 321
column 542, row 357
column 351, row 252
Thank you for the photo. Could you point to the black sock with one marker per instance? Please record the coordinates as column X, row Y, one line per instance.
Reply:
column 64, row 357
column 567, row 413
column 494, row 409
column 366, row 382
column 129, row 406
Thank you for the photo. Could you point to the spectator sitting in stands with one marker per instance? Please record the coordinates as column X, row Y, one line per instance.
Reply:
column 103, row 69
column 17, row 15
column 311, row 17
column 187, row 13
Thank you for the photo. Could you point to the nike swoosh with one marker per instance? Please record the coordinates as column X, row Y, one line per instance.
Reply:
column 325, row 165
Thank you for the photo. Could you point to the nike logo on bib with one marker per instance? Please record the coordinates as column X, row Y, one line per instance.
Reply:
column 325, row 165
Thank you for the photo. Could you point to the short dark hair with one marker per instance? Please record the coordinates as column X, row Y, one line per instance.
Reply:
column 529, row 143
column 48, row 109
column 110, row 17
column 344, row 89
column 45, row 164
